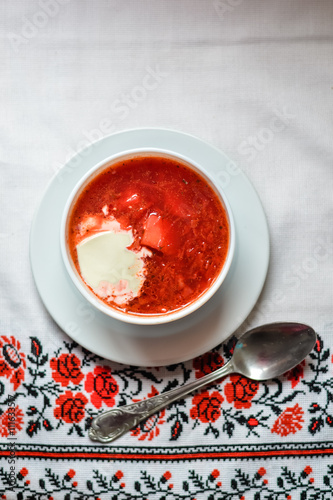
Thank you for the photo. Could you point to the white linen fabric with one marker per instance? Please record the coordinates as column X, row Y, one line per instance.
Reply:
column 253, row 78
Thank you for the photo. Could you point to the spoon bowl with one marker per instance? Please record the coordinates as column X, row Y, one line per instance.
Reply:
column 260, row 354
column 267, row 352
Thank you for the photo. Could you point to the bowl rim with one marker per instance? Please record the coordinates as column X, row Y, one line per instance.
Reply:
column 153, row 319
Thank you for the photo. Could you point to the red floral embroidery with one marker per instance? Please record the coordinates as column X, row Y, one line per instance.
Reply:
column 70, row 474
column 23, row 472
column 296, row 374
column 308, row 469
column 240, row 391
column 252, row 422
column 67, row 368
column 12, row 361
column 150, row 427
column 11, row 421
column 262, row 471
column 215, row 474
column 319, row 345
column 207, row 363
column 118, row 475
column 289, row 421
column 102, row 386
column 71, row 407
column 207, row 407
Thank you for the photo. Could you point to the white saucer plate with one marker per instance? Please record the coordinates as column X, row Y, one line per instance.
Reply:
column 172, row 342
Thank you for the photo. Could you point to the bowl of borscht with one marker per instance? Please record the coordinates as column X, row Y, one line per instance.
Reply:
column 147, row 236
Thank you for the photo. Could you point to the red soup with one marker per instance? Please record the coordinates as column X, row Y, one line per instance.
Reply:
column 176, row 229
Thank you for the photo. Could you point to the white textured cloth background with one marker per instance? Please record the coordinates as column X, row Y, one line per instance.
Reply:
column 225, row 71
column 254, row 78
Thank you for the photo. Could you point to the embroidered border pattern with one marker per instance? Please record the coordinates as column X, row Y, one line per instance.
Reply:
column 68, row 388
column 212, row 486
column 171, row 453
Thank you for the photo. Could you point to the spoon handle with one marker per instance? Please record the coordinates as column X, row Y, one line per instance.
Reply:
column 114, row 423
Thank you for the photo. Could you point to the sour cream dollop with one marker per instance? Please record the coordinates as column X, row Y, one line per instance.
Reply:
column 110, row 268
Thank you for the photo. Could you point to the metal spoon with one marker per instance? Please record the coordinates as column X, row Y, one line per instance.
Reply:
column 260, row 354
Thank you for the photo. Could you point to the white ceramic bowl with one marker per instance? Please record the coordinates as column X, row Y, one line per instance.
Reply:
column 143, row 319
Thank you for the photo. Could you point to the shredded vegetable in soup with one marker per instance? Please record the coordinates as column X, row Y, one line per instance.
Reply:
column 148, row 235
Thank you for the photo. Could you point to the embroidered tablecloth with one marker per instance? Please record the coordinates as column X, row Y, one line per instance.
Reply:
column 255, row 80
